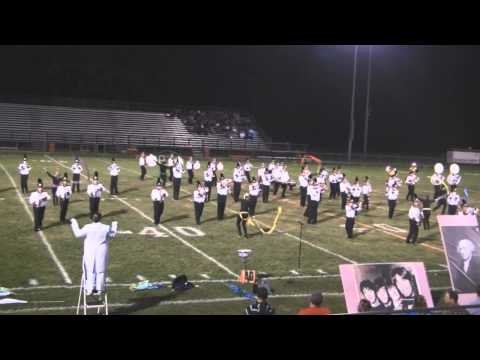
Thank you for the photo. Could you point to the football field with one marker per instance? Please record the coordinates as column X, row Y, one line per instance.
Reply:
column 44, row 268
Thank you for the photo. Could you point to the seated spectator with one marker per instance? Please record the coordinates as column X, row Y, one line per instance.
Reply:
column 364, row 306
column 476, row 310
column 450, row 301
column 419, row 303
column 315, row 307
column 260, row 307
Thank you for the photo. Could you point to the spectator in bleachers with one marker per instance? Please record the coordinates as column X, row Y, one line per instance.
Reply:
column 364, row 306
column 450, row 300
column 315, row 308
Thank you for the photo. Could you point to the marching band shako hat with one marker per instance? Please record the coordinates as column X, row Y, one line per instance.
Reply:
column 246, row 196
column 65, row 177
column 113, row 159
column 95, row 175
column 39, row 183
column 222, row 176
column 24, row 157
column 159, row 183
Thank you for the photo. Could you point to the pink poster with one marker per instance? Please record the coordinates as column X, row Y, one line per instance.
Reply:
column 461, row 241
column 387, row 286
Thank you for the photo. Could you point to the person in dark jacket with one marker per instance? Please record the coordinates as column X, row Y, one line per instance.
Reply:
column 261, row 306
column 427, row 211
column 242, row 217
column 55, row 182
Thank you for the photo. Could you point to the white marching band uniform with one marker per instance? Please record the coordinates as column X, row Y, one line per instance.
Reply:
column 95, row 252
column 114, row 169
column 24, row 168
column 454, row 179
column 95, row 190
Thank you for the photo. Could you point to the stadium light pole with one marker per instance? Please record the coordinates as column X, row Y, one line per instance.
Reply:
column 367, row 107
column 352, row 110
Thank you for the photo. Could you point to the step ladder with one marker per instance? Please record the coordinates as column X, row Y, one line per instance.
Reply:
column 83, row 295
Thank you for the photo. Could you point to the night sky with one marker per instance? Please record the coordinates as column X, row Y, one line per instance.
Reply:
column 424, row 99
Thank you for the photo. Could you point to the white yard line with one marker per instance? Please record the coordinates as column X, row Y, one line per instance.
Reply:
column 45, row 242
column 183, row 241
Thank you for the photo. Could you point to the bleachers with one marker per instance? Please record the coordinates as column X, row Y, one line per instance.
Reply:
column 69, row 125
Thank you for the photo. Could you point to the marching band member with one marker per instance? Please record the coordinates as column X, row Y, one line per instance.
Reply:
column 309, row 190
column 426, row 211
column 392, row 177
column 220, row 167
column 238, row 177
column 199, row 197
column 141, row 163
column 453, row 200
column 276, row 174
column 441, row 200
column 253, row 191
column 323, row 175
column 64, row 192
column 38, row 199
column 332, row 180
column 222, row 191
column 271, row 166
column 24, row 169
column 95, row 252
column 55, row 182
column 114, row 170
column 437, row 179
column 170, row 164
column 177, row 170
column 284, row 180
column 189, row 167
column 243, row 215
column 76, row 171
column 356, row 191
column 158, row 196
column 392, row 196
column 266, row 180
column 454, row 178
column 314, row 201
column 366, row 190
column 261, row 171
column 339, row 180
column 415, row 217
column 208, row 180
column 303, row 181
column 344, row 191
column 247, row 167
column 351, row 210
column 213, row 167
column 161, row 162
column 94, row 192
column 411, row 180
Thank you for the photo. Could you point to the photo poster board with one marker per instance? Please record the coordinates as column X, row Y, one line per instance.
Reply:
column 388, row 286
column 461, row 243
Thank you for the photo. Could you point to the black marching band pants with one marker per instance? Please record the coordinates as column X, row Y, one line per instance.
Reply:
column 436, row 191
column 170, row 177
column 247, row 174
column 190, row 176
column 349, row 223
column 198, row 211
column 426, row 219
column 24, row 183
column 221, row 203
column 157, row 211
column 391, row 208
column 63, row 209
column 344, row 196
column 284, row 189
column 252, row 205
column 303, row 195
column 236, row 190
column 333, row 191
column 208, row 184
column 365, row 203
column 242, row 219
column 94, row 205
column 312, row 212
column 113, row 185
column 452, row 209
column 38, row 213
column 163, row 177
column 442, row 202
column 276, row 185
column 265, row 193
column 305, row 213
column 411, row 192
column 412, row 232
column 75, row 182
column 176, row 188
column 144, row 172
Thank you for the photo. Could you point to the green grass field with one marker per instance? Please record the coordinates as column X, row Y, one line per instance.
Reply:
column 207, row 254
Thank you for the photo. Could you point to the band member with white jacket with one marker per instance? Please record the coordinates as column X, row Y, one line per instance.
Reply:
column 95, row 252
column 38, row 199
column 24, row 169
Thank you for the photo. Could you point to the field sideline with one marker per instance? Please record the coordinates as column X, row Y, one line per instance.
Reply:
column 45, row 268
